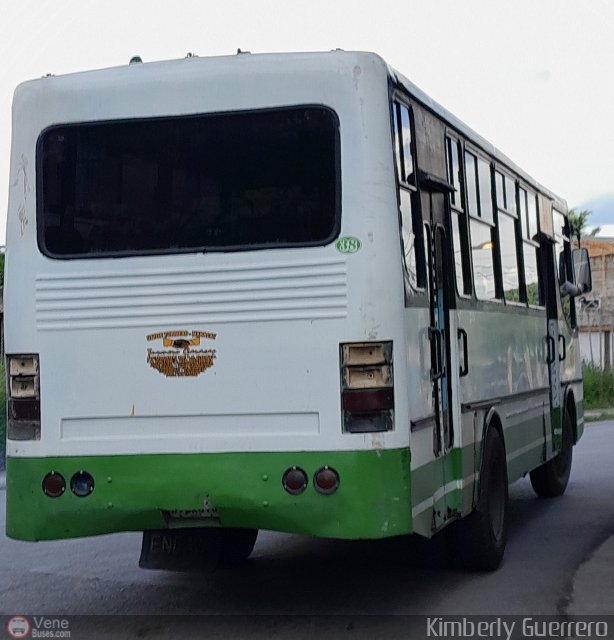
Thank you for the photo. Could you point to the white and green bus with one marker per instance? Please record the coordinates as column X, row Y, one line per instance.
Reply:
column 285, row 292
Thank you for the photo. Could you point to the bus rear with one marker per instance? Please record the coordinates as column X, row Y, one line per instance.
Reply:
column 203, row 310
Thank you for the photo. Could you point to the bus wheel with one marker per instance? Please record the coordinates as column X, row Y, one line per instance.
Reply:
column 481, row 535
column 550, row 480
column 236, row 545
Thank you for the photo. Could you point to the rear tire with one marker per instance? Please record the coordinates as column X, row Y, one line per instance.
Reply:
column 550, row 480
column 481, row 536
column 236, row 545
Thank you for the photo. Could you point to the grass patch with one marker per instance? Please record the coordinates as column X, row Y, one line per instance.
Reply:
column 600, row 416
column 598, row 388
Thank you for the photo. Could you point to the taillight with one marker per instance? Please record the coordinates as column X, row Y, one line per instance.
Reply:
column 54, row 484
column 367, row 385
column 294, row 480
column 326, row 480
column 24, row 406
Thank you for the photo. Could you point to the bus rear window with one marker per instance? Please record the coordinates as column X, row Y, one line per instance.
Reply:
column 232, row 181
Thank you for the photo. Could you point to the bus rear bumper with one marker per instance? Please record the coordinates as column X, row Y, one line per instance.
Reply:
column 140, row 492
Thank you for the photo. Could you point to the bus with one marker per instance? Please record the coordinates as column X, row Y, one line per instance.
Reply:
column 286, row 292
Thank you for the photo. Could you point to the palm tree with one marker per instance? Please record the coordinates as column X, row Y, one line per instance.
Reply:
column 578, row 221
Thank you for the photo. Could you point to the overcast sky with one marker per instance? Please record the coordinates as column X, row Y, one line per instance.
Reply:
column 532, row 76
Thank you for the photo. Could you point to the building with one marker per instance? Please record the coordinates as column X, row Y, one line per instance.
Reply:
column 596, row 309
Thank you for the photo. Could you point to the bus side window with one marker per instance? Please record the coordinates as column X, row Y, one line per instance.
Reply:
column 534, row 291
column 508, row 236
column 563, row 251
column 411, row 228
column 458, row 218
column 479, row 204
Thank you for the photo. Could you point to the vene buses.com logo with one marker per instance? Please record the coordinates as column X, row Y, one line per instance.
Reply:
column 18, row 627
column 348, row 244
column 179, row 358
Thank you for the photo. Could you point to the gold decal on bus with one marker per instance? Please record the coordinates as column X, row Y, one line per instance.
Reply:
column 180, row 359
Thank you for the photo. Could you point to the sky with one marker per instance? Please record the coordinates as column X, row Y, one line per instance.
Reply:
column 531, row 76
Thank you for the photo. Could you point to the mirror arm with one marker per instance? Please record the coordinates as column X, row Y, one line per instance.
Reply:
column 571, row 289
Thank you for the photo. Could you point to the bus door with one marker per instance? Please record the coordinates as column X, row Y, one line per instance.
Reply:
column 438, row 335
column 556, row 347
column 436, row 241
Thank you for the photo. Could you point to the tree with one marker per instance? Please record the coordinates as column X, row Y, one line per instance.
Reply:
column 578, row 221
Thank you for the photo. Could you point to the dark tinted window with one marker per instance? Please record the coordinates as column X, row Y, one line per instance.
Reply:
column 227, row 181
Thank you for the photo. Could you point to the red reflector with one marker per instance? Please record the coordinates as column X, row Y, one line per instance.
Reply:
column 326, row 480
column 54, row 484
column 294, row 481
column 27, row 409
column 365, row 400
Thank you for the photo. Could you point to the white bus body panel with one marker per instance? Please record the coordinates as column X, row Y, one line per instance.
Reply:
column 275, row 381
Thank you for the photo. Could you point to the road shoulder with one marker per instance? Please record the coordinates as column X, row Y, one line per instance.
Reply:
column 593, row 584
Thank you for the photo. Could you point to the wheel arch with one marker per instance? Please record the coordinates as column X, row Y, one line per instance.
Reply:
column 492, row 420
column 569, row 407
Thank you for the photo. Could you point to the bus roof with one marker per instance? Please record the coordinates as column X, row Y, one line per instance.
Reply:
column 472, row 135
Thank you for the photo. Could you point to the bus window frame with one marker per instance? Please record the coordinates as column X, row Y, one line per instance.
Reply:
column 565, row 239
column 497, row 299
column 463, row 217
column 238, row 248
column 397, row 100
column 530, row 192
column 514, row 214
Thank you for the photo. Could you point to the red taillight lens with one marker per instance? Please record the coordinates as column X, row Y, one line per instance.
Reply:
column 368, row 400
column 54, row 484
column 326, row 480
column 294, row 481
column 24, row 409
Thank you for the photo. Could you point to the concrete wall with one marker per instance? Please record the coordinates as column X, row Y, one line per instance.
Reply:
column 592, row 348
column 595, row 310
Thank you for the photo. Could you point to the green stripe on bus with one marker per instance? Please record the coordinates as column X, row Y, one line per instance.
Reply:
column 132, row 492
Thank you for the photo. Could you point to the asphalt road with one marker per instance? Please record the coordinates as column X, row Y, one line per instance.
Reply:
column 301, row 576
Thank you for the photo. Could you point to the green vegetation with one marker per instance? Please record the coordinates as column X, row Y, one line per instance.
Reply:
column 578, row 221
column 598, row 388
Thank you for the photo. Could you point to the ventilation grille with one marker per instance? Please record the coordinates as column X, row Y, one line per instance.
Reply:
column 303, row 290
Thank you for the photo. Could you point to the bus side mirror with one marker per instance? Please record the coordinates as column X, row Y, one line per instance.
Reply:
column 582, row 270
